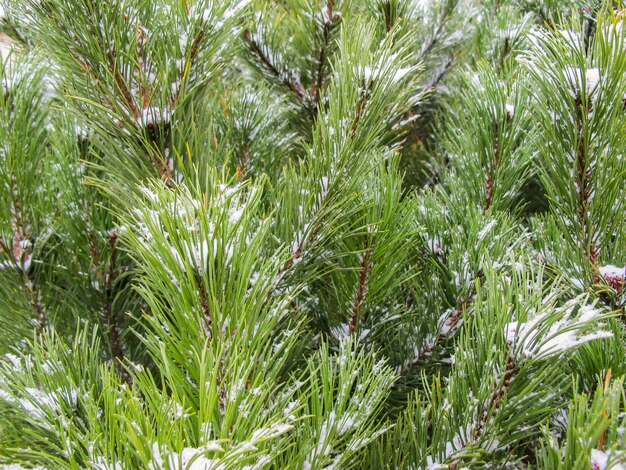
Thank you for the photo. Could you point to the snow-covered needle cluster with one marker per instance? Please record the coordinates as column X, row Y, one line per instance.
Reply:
column 312, row 234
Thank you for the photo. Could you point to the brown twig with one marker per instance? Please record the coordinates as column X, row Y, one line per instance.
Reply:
column 221, row 385
column 329, row 24
column 434, row 38
column 492, row 404
column 387, row 13
column 365, row 269
column 583, row 183
column 295, row 86
column 448, row 326
column 164, row 170
column 443, row 70
column 245, row 163
column 19, row 254
column 506, row 50
column 491, row 171
column 360, row 110
column 189, row 63
column 453, row 319
column 106, row 308
column 106, row 305
column 111, row 325
column 33, row 294
column 297, row 253
column 5, row 248
column 204, row 304
column 590, row 28
column 121, row 84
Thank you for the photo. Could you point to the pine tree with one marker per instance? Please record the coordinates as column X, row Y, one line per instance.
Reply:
column 311, row 234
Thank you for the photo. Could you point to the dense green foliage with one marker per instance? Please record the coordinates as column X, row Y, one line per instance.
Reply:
column 306, row 234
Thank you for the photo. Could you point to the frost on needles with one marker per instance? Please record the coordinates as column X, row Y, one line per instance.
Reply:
column 312, row 234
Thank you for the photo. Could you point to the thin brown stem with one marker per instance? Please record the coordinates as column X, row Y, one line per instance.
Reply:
column 434, row 38
column 189, row 63
column 21, row 255
column 506, row 50
column 443, row 70
column 221, row 384
column 387, row 13
column 492, row 169
column 447, row 328
column 5, row 248
column 112, row 328
column 360, row 110
column 295, row 86
column 32, row 291
column 244, row 169
column 204, row 304
column 106, row 303
column 583, row 183
column 329, row 24
column 123, row 88
column 297, row 254
column 492, row 404
column 164, row 169
column 360, row 292
column 110, row 278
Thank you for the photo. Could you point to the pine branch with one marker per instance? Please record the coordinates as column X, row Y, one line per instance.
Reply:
column 583, row 184
column 506, row 50
column 441, row 73
column 204, row 304
column 164, row 169
column 491, row 405
column 365, row 268
column 109, row 274
column 110, row 323
column 245, row 164
column 590, row 28
column 144, row 86
column 448, row 326
column 298, row 252
column 190, row 61
column 457, row 313
column 23, row 260
column 151, row 128
column 294, row 86
column 221, row 377
column 6, row 248
column 360, row 110
column 121, row 85
column 492, row 168
column 387, row 14
column 434, row 38
column 498, row 394
column 32, row 291
column 329, row 25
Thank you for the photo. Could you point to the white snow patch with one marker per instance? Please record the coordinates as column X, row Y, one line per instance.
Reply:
column 16, row 362
column 602, row 460
column 486, row 229
column 271, row 432
column 563, row 334
column 372, row 73
column 189, row 458
column 574, row 76
column 153, row 115
column 613, row 271
column 340, row 331
column 323, row 445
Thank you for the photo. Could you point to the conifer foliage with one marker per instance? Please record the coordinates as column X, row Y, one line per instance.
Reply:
column 307, row 234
